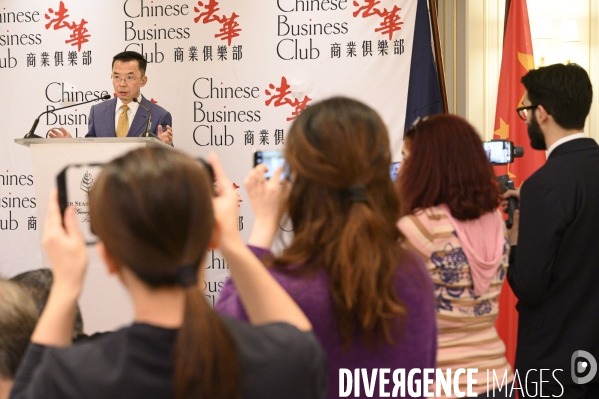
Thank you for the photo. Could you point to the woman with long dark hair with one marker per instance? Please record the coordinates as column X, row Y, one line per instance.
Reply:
column 450, row 217
column 369, row 300
column 155, row 215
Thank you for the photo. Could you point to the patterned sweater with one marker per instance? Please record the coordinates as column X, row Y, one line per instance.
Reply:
column 467, row 337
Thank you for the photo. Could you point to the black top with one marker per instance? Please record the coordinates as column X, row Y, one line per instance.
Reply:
column 277, row 361
column 555, row 270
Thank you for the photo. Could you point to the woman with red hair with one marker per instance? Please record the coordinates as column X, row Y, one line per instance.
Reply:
column 449, row 204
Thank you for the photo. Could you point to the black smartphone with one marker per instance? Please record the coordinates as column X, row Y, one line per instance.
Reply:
column 393, row 170
column 499, row 152
column 273, row 159
column 74, row 183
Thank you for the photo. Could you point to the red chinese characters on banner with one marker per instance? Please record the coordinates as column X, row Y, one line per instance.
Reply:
column 368, row 9
column 279, row 98
column 59, row 21
column 79, row 33
column 229, row 26
column 390, row 19
column 211, row 9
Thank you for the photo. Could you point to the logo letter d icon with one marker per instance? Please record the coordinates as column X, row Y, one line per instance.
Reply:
column 582, row 366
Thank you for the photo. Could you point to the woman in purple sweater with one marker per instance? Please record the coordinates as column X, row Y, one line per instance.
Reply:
column 369, row 300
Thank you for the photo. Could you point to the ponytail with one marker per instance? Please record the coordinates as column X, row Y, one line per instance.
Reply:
column 344, row 211
column 362, row 270
column 206, row 365
column 162, row 200
column 352, row 235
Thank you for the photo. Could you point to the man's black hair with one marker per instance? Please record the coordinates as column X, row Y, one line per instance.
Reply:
column 565, row 91
column 126, row 56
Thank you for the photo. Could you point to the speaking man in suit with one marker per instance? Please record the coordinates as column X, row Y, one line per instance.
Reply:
column 554, row 268
column 121, row 116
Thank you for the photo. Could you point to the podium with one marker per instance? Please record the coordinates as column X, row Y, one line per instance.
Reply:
column 105, row 305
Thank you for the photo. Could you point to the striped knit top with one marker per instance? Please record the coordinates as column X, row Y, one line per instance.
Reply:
column 467, row 337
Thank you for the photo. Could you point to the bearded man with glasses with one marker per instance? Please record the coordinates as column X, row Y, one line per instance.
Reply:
column 554, row 268
column 123, row 116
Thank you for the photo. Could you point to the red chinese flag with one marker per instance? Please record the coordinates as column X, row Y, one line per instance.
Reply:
column 517, row 60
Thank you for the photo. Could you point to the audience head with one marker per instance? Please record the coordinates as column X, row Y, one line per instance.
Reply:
column 152, row 211
column 565, row 91
column 446, row 164
column 163, row 204
column 38, row 284
column 344, row 211
column 18, row 317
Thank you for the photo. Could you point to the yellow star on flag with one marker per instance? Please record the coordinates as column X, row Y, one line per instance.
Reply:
column 504, row 130
column 527, row 61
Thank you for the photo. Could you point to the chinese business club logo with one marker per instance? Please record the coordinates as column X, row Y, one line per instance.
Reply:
column 229, row 26
column 390, row 19
column 79, row 33
column 279, row 96
column 583, row 362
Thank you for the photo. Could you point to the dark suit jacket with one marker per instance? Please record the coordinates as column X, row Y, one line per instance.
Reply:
column 101, row 119
column 556, row 270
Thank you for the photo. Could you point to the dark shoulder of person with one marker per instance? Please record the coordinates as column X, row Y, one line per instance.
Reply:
column 132, row 362
column 278, row 361
column 86, row 338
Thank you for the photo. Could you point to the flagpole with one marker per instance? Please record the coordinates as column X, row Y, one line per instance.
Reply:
column 432, row 6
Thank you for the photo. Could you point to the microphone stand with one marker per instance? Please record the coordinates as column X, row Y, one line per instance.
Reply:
column 147, row 133
column 32, row 135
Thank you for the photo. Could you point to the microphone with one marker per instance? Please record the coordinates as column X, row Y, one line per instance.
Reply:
column 32, row 135
column 147, row 133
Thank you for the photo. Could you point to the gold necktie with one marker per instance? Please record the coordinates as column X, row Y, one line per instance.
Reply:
column 122, row 128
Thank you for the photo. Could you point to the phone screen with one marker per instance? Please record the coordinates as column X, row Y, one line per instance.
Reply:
column 273, row 159
column 499, row 152
column 74, row 183
column 393, row 170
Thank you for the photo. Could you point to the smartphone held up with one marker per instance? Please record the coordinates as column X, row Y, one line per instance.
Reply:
column 273, row 159
column 74, row 183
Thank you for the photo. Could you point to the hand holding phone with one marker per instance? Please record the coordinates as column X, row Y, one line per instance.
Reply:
column 265, row 197
column 74, row 183
column 64, row 244
column 273, row 159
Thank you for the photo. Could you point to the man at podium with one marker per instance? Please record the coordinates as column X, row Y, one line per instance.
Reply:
column 127, row 114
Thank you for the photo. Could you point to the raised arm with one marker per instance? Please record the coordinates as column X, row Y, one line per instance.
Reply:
column 66, row 250
column 264, row 299
column 265, row 198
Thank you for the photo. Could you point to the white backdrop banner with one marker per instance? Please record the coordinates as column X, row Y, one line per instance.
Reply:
column 234, row 74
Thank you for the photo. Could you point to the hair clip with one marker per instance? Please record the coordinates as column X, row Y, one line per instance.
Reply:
column 358, row 193
column 186, row 276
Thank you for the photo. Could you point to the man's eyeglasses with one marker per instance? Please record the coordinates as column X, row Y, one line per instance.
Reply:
column 128, row 79
column 523, row 111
